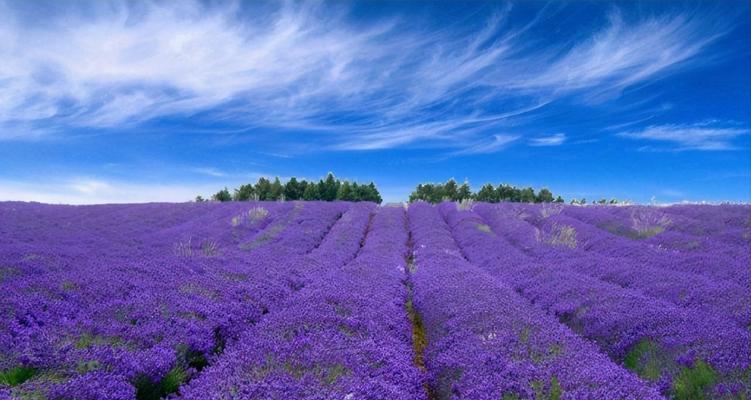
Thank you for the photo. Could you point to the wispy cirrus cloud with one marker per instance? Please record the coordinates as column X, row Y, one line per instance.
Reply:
column 209, row 171
column 624, row 53
column 308, row 67
column 708, row 135
column 551, row 140
column 487, row 146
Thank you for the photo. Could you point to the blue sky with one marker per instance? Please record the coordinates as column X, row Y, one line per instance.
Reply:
column 161, row 101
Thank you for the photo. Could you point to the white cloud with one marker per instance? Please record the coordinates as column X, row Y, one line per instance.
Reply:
column 209, row 171
column 709, row 135
column 623, row 54
column 494, row 144
column 307, row 67
column 96, row 191
column 552, row 140
column 90, row 187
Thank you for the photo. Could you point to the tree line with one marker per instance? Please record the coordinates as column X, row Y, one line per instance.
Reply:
column 451, row 191
column 327, row 189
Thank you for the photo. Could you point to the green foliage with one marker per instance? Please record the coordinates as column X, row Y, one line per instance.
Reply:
column 464, row 192
column 16, row 376
column 333, row 373
column 88, row 340
column 555, row 389
column 427, row 192
column 527, row 195
column 276, row 190
column 222, row 195
column 263, row 189
column 311, row 193
column 438, row 192
column 487, row 194
column 87, row 366
column 450, row 190
column 345, row 192
column 545, row 196
column 328, row 189
column 553, row 392
column 146, row 389
column 643, row 360
column 293, row 190
column 172, row 381
column 244, row 193
column 371, row 194
column 508, row 193
column 692, row 383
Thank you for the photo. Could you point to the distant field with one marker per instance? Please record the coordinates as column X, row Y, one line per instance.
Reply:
column 336, row 300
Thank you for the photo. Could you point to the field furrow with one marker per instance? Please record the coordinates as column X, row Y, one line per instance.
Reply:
column 347, row 301
column 156, row 321
column 344, row 335
column 663, row 343
column 484, row 341
column 559, row 245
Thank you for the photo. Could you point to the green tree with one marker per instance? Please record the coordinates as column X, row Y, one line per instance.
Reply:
column 545, row 196
column 487, row 194
column 311, row 192
column 559, row 199
column 328, row 187
column 263, row 189
column 527, row 195
column 356, row 192
column 302, row 186
column 222, row 195
column 464, row 192
column 292, row 189
column 199, row 199
column 373, row 194
column 345, row 192
column 450, row 190
column 435, row 193
column 277, row 190
column 362, row 192
column 421, row 192
column 506, row 193
column 244, row 193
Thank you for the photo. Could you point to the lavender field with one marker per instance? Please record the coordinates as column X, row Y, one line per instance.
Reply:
column 338, row 300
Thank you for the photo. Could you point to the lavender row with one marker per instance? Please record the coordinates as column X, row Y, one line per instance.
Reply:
column 120, row 323
column 670, row 346
column 722, row 223
column 713, row 219
column 558, row 227
column 657, row 227
column 656, row 233
column 486, row 342
column 345, row 335
column 36, row 237
column 559, row 246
